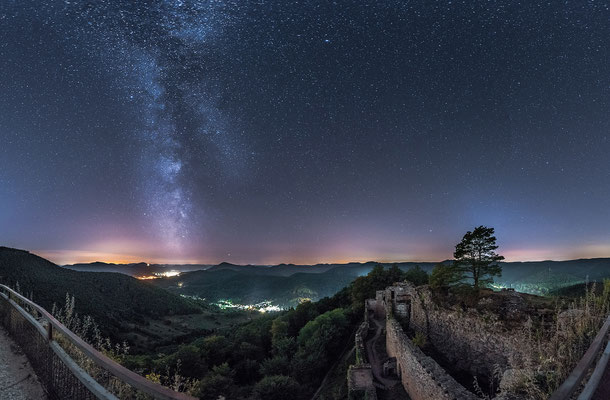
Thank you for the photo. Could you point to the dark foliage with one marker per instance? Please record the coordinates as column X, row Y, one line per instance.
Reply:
column 443, row 276
column 476, row 258
column 113, row 300
column 283, row 355
column 364, row 287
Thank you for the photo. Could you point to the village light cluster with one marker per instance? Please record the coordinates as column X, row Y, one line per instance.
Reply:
column 263, row 307
column 157, row 275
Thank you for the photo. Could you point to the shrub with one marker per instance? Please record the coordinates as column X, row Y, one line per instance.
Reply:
column 419, row 340
column 444, row 276
column 276, row 387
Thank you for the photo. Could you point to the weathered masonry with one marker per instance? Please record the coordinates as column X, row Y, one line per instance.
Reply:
column 360, row 377
column 473, row 345
column 420, row 375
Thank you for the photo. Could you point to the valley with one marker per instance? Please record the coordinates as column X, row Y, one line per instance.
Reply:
column 244, row 325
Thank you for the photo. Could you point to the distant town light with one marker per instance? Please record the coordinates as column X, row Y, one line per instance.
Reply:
column 168, row 274
column 262, row 307
column 157, row 275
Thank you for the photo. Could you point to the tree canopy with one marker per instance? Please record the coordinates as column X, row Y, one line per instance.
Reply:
column 476, row 258
column 364, row 287
column 443, row 276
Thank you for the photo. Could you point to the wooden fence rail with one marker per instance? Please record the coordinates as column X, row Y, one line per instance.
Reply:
column 68, row 367
column 574, row 380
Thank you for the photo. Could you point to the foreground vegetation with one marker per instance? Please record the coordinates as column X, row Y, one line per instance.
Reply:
column 117, row 302
column 555, row 349
column 249, row 355
column 278, row 356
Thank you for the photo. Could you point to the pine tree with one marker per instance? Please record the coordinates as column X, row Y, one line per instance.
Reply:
column 475, row 256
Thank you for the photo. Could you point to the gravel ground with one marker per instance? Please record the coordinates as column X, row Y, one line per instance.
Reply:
column 17, row 380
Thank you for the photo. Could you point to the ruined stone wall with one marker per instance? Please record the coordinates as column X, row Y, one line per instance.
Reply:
column 370, row 306
column 360, row 383
column 421, row 376
column 469, row 340
column 399, row 296
column 359, row 339
column 379, row 304
column 475, row 341
column 359, row 376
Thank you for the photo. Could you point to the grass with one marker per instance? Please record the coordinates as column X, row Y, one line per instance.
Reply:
column 555, row 349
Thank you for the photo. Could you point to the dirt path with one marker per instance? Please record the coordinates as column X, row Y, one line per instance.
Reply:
column 376, row 359
column 17, row 380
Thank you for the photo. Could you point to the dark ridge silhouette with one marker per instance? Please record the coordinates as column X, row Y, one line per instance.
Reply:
column 113, row 300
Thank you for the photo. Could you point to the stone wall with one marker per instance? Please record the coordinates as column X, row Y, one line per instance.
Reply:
column 359, row 376
column 399, row 296
column 360, row 383
column 371, row 306
column 470, row 340
column 421, row 376
column 359, row 339
column 380, row 304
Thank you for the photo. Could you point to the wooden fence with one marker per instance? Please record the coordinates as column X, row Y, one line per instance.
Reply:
column 574, row 381
column 67, row 366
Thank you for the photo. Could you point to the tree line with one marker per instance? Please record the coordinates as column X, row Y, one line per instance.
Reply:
column 277, row 356
column 286, row 355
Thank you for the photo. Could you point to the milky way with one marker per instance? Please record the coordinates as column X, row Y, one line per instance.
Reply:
column 153, row 51
column 303, row 131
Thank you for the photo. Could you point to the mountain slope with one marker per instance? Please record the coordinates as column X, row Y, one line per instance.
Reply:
column 114, row 300
column 135, row 269
column 543, row 277
column 251, row 285
column 286, row 284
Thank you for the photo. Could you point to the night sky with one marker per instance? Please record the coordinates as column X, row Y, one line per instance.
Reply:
column 303, row 131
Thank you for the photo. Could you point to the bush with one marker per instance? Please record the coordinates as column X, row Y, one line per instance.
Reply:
column 417, row 276
column 444, row 276
column 277, row 365
column 277, row 387
column 419, row 340
column 217, row 383
column 554, row 350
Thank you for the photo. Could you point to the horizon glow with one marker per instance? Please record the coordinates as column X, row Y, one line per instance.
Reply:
column 280, row 132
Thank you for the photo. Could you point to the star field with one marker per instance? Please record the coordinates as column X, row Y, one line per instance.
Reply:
column 303, row 131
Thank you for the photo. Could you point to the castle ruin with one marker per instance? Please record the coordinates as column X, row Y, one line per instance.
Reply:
column 468, row 343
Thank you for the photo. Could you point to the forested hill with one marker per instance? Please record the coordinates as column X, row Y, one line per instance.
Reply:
column 250, row 286
column 112, row 299
column 546, row 277
column 135, row 269
column 247, row 287
column 286, row 285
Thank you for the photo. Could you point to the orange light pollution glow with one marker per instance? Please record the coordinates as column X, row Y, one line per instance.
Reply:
column 344, row 253
column 123, row 251
column 366, row 242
